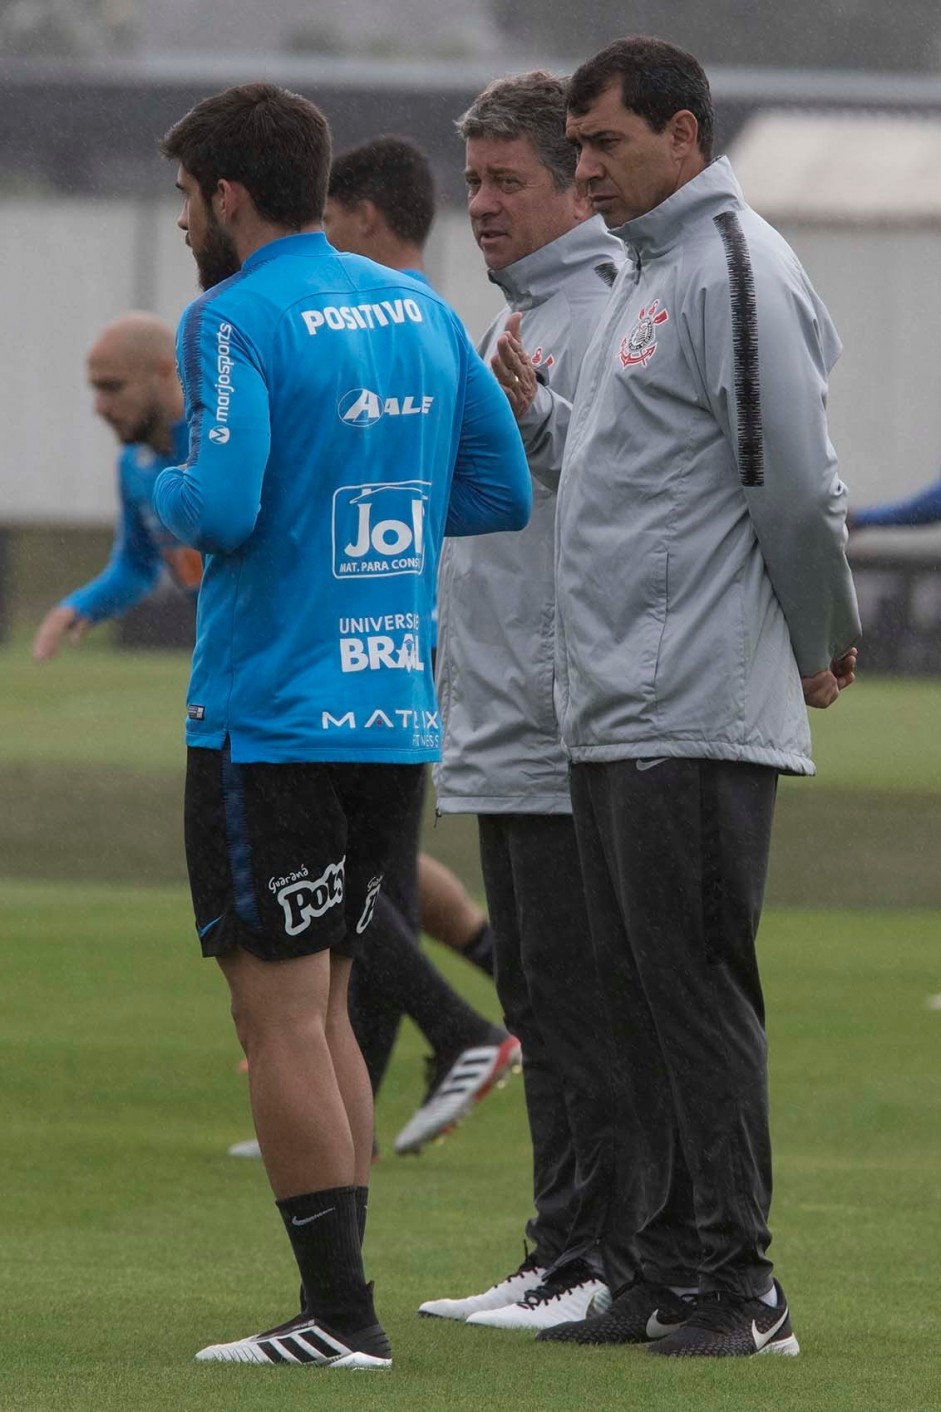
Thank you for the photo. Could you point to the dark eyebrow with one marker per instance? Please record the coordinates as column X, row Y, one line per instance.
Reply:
column 492, row 171
column 597, row 136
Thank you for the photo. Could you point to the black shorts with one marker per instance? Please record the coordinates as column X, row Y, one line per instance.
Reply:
column 287, row 860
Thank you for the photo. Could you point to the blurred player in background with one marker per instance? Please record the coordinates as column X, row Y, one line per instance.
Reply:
column 316, row 514
column 922, row 508
column 132, row 371
column 380, row 204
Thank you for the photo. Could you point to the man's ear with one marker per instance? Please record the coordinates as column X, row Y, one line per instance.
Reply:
column 165, row 365
column 684, row 131
column 229, row 199
column 581, row 202
column 368, row 216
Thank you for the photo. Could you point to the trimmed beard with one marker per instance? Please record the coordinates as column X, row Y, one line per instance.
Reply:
column 144, row 431
column 216, row 260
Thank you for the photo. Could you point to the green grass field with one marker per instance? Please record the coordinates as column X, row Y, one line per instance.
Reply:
column 130, row 1239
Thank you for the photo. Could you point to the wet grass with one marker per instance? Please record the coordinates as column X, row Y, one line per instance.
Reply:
column 91, row 763
column 130, row 1238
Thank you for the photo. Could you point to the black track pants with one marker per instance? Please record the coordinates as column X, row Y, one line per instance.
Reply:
column 674, row 857
column 548, row 987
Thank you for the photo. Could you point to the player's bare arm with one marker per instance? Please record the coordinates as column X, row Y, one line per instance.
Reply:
column 60, row 622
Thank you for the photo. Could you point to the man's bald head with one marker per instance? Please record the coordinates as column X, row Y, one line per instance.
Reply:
column 138, row 336
column 132, row 368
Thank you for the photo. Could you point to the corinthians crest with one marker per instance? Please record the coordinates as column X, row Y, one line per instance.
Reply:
column 641, row 343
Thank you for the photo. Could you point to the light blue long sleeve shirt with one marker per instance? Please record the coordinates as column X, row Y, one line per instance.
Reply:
column 340, row 425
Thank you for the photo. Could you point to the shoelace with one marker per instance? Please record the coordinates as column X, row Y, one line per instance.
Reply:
column 716, row 1311
column 530, row 1262
column 556, row 1285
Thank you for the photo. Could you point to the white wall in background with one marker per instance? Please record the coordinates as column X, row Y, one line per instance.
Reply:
column 68, row 267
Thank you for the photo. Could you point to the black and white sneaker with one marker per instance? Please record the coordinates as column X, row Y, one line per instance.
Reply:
column 725, row 1325
column 529, row 1275
column 306, row 1340
column 455, row 1085
column 565, row 1293
column 641, row 1313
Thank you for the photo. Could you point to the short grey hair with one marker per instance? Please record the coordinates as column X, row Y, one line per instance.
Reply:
column 528, row 105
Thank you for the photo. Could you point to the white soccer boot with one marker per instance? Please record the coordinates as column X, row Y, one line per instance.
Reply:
column 248, row 1148
column 452, row 1094
column 565, row 1294
column 529, row 1276
column 305, row 1340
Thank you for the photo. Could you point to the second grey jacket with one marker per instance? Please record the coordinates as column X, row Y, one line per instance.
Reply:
column 501, row 751
column 701, row 566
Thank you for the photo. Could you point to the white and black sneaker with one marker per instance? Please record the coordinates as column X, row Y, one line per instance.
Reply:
column 529, row 1275
column 565, row 1294
column 725, row 1325
column 306, row 1340
column 455, row 1085
column 641, row 1313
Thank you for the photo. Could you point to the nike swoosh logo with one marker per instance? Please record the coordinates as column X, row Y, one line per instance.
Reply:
column 649, row 764
column 306, row 1220
column 657, row 1330
column 762, row 1339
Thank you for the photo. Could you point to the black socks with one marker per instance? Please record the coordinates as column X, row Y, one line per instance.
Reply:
column 479, row 950
column 325, row 1230
column 362, row 1206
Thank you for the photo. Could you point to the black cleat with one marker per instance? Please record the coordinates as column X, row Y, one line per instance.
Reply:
column 641, row 1313
column 726, row 1325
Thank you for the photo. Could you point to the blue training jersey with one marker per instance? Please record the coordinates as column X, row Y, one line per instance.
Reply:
column 340, row 425
column 143, row 546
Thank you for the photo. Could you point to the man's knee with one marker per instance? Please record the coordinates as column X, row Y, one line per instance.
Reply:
column 277, row 999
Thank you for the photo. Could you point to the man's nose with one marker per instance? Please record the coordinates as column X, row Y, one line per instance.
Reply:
column 587, row 167
column 484, row 202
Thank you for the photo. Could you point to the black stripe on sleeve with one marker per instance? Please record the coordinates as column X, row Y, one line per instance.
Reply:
column 751, row 451
column 191, row 330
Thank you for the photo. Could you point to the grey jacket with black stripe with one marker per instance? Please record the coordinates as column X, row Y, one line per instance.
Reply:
column 501, row 748
column 700, row 564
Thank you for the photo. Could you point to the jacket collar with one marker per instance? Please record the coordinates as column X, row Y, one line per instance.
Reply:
column 310, row 242
column 536, row 277
column 713, row 190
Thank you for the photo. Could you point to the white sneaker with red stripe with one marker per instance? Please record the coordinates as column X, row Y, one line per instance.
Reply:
column 456, row 1086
